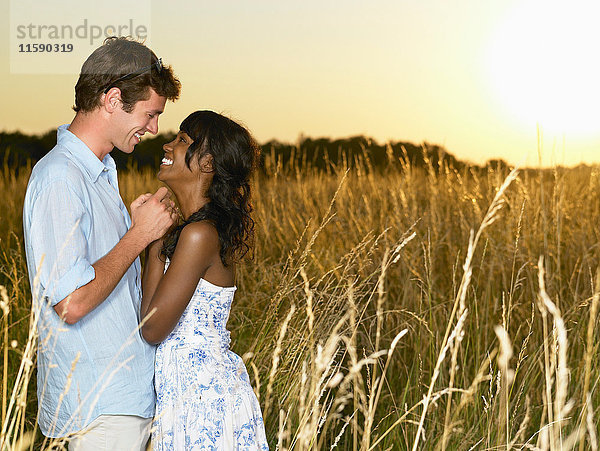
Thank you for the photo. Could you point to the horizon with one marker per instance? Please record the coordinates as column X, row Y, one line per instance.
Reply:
column 376, row 143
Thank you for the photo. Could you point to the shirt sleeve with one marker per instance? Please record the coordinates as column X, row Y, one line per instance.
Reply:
column 59, row 219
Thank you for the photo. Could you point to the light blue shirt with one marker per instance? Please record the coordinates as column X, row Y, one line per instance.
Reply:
column 73, row 216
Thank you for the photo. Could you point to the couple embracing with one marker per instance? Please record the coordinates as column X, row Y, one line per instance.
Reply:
column 124, row 354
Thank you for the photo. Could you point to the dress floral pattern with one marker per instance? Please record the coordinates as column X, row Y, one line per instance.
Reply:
column 204, row 400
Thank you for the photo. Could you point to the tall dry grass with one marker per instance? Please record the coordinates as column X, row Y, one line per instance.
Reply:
column 409, row 308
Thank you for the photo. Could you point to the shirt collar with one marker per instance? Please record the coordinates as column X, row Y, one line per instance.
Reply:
column 83, row 154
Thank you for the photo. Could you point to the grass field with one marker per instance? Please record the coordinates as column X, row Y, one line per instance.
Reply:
column 408, row 308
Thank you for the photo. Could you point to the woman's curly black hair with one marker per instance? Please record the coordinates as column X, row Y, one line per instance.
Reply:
column 235, row 156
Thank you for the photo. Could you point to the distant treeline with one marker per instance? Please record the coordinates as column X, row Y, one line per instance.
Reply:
column 18, row 150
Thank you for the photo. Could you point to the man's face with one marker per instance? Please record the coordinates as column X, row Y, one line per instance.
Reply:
column 130, row 127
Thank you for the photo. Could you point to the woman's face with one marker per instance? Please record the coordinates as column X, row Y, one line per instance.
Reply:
column 173, row 165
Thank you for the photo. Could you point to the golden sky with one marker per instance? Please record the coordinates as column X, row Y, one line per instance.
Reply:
column 476, row 76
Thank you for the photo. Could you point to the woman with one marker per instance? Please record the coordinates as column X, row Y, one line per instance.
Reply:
column 204, row 397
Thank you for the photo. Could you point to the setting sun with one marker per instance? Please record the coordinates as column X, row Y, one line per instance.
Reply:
column 544, row 65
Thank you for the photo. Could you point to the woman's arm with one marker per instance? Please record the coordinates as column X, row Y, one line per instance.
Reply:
column 197, row 249
column 154, row 269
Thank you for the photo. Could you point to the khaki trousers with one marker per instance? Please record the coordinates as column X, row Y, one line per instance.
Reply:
column 113, row 432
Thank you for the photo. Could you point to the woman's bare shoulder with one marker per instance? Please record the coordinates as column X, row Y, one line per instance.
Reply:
column 201, row 233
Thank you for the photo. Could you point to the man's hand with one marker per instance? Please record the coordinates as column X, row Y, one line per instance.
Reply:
column 152, row 215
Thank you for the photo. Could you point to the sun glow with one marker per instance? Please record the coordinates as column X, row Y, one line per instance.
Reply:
column 544, row 61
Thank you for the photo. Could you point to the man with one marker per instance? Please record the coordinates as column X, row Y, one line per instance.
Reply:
column 94, row 369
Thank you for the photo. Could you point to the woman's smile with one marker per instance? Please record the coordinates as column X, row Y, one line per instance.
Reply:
column 174, row 157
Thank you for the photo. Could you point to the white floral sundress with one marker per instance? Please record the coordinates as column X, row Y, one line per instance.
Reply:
column 204, row 400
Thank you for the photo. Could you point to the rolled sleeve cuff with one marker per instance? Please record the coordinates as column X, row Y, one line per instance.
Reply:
column 80, row 274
